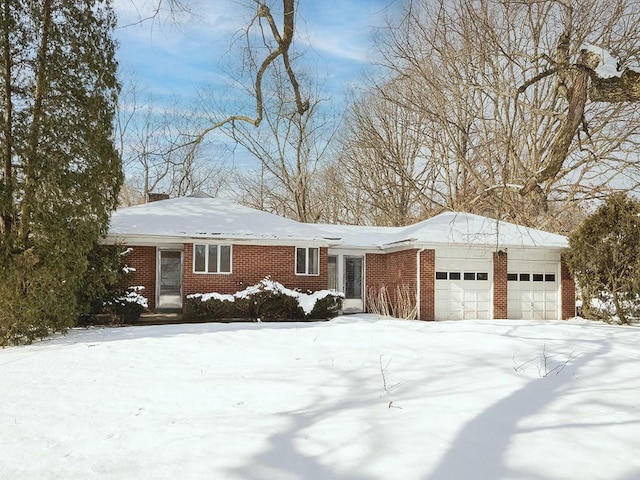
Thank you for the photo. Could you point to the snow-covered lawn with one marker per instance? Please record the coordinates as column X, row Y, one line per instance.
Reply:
column 463, row 400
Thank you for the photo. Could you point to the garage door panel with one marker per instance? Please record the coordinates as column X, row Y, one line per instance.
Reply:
column 463, row 289
column 532, row 290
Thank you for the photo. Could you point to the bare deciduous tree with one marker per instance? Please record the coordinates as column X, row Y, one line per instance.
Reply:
column 154, row 155
column 503, row 89
column 290, row 149
column 383, row 158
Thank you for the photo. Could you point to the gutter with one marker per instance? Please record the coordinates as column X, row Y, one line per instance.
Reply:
column 418, row 286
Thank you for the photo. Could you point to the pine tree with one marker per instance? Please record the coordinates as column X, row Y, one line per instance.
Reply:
column 604, row 256
column 60, row 171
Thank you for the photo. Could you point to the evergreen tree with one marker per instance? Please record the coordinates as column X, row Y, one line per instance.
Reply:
column 604, row 257
column 60, row 171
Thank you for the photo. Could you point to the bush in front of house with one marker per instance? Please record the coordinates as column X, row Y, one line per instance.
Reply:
column 327, row 306
column 268, row 301
column 127, row 306
column 211, row 307
column 275, row 306
column 103, row 299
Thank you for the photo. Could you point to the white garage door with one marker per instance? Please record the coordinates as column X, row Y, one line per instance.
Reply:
column 532, row 290
column 463, row 289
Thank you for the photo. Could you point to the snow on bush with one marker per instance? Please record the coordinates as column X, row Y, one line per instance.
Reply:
column 128, row 305
column 252, row 300
column 133, row 296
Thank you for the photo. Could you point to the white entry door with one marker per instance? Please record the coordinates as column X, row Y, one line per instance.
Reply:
column 353, row 283
column 169, row 279
column 532, row 290
column 463, row 289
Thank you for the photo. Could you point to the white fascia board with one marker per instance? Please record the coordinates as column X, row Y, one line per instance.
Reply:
column 159, row 240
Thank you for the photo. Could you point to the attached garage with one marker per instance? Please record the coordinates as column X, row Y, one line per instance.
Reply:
column 533, row 287
column 463, row 285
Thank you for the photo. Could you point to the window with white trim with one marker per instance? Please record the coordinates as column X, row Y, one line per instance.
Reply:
column 212, row 258
column 307, row 261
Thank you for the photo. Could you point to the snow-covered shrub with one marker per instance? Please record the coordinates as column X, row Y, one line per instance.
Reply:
column 213, row 307
column 128, row 305
column 326, row 306
column 266, row 301
column 107, row 274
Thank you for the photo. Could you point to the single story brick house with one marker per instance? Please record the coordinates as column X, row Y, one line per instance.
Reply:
column 458, row 265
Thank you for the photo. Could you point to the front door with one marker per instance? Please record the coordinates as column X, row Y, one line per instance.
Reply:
column 169, row 279
column 353, row 284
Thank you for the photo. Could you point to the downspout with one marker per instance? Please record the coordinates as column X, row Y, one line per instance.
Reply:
column 418, row 286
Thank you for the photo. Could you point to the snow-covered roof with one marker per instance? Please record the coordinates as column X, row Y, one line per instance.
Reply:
column 469, row 229
column 449, row 228
column 205, row 217
column 214, row 218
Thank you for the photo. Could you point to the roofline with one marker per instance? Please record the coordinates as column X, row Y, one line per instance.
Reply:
column 146, row 239
column 415, row 243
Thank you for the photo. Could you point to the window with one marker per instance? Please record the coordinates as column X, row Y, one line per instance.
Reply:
column 525, row 277
column 212, row 258
column 483, row 276
column 454, row 275
column 512, row 277
column 307, row 261
column 469, row 275
column 441, row 275
column 549, row 277
column 538, row 277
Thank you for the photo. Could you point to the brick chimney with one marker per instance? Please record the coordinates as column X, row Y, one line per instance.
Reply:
column 156, row 197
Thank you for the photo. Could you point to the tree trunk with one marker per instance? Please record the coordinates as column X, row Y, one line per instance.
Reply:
column 559, row 148
column 6, row 194
column 34, row 134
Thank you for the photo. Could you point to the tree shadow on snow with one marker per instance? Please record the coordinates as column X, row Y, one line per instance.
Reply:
column 479, row 449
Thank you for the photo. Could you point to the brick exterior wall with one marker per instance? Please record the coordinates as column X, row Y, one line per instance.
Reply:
column 567, row 293
column 427, row 285
column 500, row 284
column 250, row 264
column 143, row 259
column 393, row 271
column 400, row 269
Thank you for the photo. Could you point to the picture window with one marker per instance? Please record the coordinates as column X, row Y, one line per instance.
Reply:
column 212, row 258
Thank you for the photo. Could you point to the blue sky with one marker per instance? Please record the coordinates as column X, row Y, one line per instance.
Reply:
column 175, row 59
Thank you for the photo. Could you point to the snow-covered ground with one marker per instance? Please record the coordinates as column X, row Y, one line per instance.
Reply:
column 355, row 398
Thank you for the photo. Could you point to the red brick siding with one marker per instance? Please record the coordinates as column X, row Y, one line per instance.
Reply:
column 250, row 264
column 427, row 285
column 567, row 293
column 500, row 284
column 143, row 259
column 391, row 270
